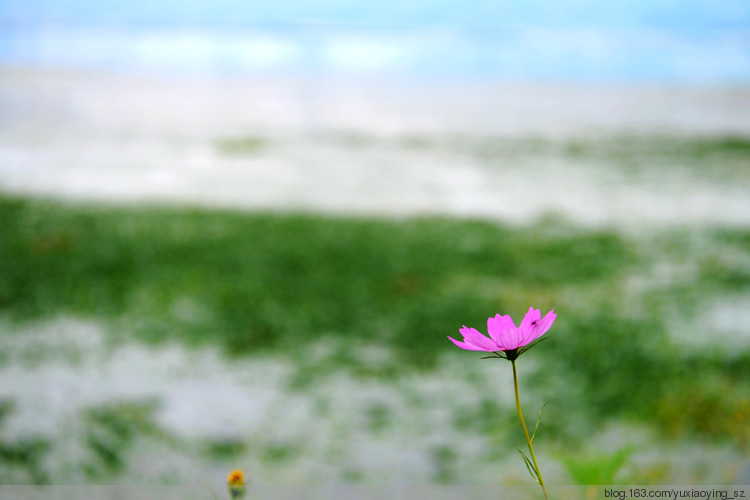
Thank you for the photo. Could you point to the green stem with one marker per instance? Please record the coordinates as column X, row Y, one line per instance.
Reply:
column 526, row 432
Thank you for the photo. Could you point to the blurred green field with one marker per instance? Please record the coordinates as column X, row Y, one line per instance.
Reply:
column 632, row 342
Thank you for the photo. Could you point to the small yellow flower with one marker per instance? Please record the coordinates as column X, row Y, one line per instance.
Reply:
column 236, row 478
column 236, row 484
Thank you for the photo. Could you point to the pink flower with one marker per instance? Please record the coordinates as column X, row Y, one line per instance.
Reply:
column 505, row 336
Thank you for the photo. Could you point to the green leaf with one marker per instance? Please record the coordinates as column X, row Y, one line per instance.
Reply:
column 529, row 466
column 538, row 419
column 598, row 468
column 526, row 348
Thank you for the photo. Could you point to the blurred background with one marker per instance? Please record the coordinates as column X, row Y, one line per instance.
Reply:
column 236, row 235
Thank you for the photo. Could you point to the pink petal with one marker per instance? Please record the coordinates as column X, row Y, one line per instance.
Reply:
column 472, row 336
column 541, row 328
column 464, row 345
column 499, row 327
column 514, row 339
column 469, row 332
column 494, row 327
column 529, row 325
column 534, row 315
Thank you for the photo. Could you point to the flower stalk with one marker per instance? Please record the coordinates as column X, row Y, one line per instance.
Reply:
column 529, row 440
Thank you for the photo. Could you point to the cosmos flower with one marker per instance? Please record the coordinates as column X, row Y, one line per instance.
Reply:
column 505, row 337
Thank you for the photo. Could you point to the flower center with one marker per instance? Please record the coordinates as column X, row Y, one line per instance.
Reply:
column 511, row 354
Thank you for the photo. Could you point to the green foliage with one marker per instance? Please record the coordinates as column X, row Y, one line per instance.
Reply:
column 714, row 406
column 255, row 283
column 598, row 468
column 279, row 452
column 21, row 459
column 261, row 281
column 621, row 362
column 110, row 432
column 26, row 455
column 225, row 448
column 236, row 146
column 444, row 459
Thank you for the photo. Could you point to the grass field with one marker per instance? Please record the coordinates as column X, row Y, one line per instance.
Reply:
column 649, row 335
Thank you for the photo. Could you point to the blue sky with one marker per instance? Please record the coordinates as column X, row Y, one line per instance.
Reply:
column 692, row 40
column 475, row 16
